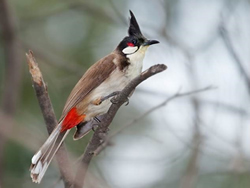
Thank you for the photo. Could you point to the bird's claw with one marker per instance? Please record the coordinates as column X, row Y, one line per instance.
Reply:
column 94, row 127
column 127, row 102
column 100, row 100
column 115, row 101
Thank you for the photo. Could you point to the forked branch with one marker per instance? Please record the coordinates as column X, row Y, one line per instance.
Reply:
column 50, row 119
column 101, row 131
column 107, row 140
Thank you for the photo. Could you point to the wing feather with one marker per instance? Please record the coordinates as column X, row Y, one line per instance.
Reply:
column 94, row 76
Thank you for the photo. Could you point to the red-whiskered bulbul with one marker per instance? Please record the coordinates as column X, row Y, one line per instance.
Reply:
column 111, row 73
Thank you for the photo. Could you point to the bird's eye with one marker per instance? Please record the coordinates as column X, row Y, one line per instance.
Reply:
column 134, row 41
column 130, row 44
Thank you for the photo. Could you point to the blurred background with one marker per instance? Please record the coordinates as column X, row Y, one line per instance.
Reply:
column 199, row 140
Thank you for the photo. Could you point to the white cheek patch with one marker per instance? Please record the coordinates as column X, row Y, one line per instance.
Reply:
column 130, row 49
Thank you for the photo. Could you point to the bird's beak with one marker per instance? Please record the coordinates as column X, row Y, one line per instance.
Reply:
column 150, row 42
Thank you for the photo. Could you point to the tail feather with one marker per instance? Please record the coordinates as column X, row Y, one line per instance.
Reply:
column 41, row 160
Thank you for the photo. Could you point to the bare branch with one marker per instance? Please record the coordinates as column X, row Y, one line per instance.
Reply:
column 49, row 117
column 164, row 103
column 191, row 172
column 189, row 178
column 117, row 13
column 13, row 62
column 52, row 58
column 229, row 45
column 106, row 121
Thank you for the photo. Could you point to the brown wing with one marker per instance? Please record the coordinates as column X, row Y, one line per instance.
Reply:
column 94, row 76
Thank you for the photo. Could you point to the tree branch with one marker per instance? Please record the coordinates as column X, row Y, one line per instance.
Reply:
column 13, row 62
column 49, row 117
column 164, row 103
column 229, row 45
column 101, row 131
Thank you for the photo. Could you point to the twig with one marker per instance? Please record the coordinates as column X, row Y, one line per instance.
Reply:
column 104, row 124
column 13, row 62
column 191, row 172
column 164, row 103
column 231, row 50
column 13, row 59
column 52, row 58
column 49, row 117
column 118, row 13
column 19, row 134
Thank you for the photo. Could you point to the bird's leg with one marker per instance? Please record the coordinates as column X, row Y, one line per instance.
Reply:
column 101, row 99
column 110, row 95
column 114, row 101
column 94, row 127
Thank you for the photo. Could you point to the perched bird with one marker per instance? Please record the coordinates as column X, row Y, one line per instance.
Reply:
column 85, row 102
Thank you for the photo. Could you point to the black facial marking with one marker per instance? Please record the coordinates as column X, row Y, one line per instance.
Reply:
column 135, row 37
column 130, row 39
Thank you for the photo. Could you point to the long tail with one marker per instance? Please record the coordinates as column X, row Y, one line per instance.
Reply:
column 41, row 160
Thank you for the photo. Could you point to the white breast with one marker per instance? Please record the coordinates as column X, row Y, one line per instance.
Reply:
column 116, row 82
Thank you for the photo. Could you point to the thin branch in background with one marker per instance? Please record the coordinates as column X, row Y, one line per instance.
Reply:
column 164, row 103
column 191, row 172
column 13, row 62
column 94, row 11
column 13, row 59
column 229, row 45
column 228, row 108
column 189, row 178
column 19, row 134
column 118, row 13
column 49, row 117
column 52, row 59
column 101, row 131
column 84, row 7
column 56, row 182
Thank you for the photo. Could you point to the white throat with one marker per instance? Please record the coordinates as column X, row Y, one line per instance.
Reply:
column 136, row 61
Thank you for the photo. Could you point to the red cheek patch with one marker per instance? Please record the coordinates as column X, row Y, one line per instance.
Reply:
column 130, row 44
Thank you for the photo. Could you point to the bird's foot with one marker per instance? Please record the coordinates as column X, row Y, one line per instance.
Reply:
column 94, row 127
column 110, row 95
column 101, row 99
column 115, row 101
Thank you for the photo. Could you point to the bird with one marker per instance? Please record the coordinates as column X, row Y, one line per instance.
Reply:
column 87, row 100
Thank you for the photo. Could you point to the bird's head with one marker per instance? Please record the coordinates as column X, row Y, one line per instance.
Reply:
column 135, row 43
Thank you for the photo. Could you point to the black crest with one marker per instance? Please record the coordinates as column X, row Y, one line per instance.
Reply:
column 134, row 29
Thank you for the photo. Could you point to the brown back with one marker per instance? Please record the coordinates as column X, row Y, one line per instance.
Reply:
column 94, row 76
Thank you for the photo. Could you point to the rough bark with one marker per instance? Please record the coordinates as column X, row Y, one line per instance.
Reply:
column 50, row 118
